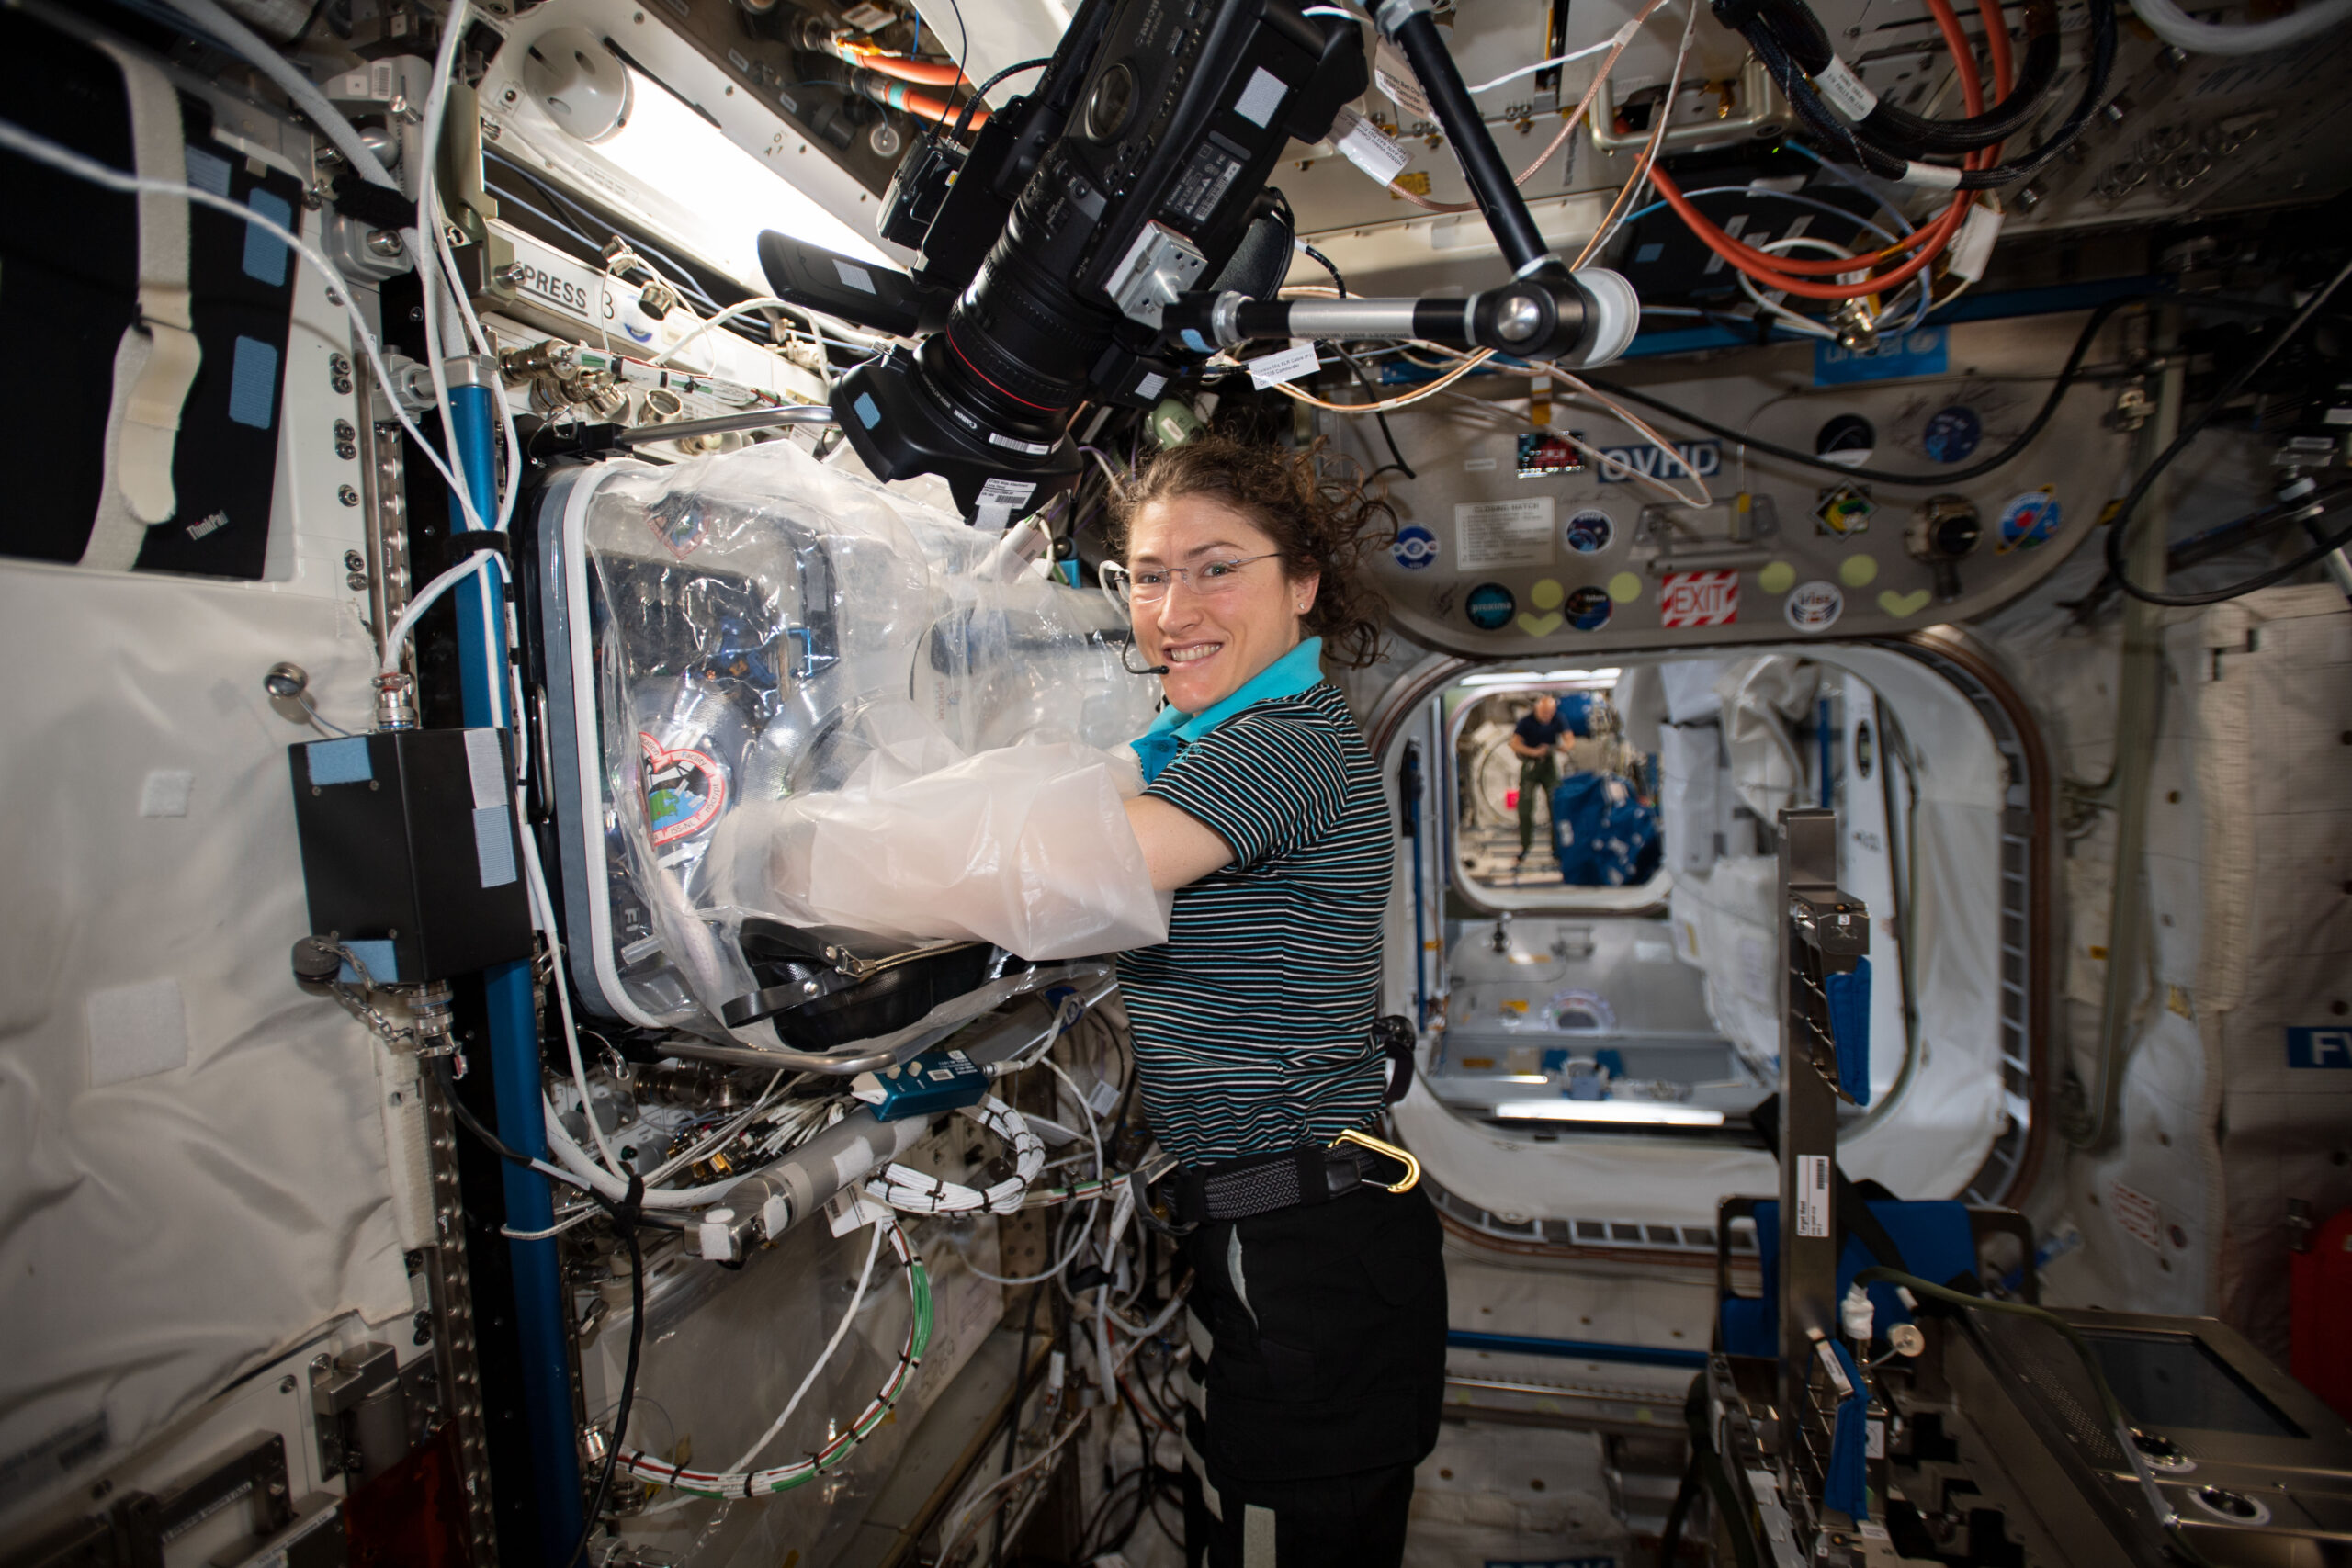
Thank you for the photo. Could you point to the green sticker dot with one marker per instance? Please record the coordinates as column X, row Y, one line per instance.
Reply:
column 1855, row 572
column 1625, row 587
column 1546, row 594
column 1778, row 577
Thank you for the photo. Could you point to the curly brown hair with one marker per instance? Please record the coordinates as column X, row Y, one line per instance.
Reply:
column 1322, row 523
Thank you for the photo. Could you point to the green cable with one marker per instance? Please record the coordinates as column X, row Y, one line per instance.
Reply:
column 2117, row 1419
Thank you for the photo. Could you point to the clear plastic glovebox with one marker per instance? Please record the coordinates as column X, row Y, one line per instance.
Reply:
column 756, row 651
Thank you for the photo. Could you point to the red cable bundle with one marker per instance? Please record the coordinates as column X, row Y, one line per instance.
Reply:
column 1795, row 276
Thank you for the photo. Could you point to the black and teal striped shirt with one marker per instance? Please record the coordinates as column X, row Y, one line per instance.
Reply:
column 1253, row 1021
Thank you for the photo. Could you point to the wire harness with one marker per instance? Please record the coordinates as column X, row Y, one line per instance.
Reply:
column 799, row 1472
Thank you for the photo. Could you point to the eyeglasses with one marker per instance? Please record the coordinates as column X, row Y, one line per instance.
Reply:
column 1149, row 586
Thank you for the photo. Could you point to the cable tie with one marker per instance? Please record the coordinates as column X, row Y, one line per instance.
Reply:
column 1929, row 177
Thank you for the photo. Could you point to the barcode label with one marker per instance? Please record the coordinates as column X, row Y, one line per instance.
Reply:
column 1813, row 1195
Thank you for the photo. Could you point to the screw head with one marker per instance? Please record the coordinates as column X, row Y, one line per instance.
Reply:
column 347, row 495
column 354, row 561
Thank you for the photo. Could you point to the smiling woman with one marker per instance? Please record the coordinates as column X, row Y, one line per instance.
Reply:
column 1317, row 1267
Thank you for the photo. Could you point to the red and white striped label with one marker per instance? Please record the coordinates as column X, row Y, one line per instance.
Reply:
column 1699, row 599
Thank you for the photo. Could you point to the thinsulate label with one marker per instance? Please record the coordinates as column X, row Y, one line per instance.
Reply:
column 1813, row 1195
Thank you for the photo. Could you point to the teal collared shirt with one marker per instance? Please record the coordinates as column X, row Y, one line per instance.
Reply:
column 1298, row 671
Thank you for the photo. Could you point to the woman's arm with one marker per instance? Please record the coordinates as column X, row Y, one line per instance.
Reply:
column 1178, row 848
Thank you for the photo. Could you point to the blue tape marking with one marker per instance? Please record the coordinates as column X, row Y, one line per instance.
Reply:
column 1196, row 341
column 2319, row 1047
column 1922, row 353
column 207, row 171
column 494, row 846
column 264, row 252
column 382, row 960
column 252, row 384
column 1846, row 1486
column 1849, row 1027
column 869, row 412
column 340, row 762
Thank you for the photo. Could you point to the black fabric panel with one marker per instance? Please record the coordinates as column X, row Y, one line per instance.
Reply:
column 69, row 265
column 223, row 468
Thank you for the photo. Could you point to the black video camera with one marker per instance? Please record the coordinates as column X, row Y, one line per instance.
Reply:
column 1114, row 227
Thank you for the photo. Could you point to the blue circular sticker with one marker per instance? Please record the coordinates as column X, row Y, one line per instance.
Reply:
column 2027, row 520
column 1416, row 548
column 1951, row 433
column 1490, row 606
column 1589, row 531
column 1589, row 608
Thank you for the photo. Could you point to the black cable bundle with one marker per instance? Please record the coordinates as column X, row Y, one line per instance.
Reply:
column 1893, row 142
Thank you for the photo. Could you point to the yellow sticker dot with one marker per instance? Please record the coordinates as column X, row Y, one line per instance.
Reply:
column 1624, row 588
column 1778, row 577
column 1546, row 594
column 1857, row 571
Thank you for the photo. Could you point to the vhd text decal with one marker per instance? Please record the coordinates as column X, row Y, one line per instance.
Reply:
column 1619, row 465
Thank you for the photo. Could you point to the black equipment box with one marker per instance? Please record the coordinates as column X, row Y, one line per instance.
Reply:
column 409, row 850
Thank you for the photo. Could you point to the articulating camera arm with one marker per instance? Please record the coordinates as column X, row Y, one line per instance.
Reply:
column 1586, row 318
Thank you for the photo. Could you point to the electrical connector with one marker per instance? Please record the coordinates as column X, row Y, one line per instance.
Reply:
column 933, row 1082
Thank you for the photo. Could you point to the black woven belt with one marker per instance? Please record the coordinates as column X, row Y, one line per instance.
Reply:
column 1262, row 1184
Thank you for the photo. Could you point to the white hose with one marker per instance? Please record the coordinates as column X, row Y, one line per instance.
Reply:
column 2175, row 26
column 306, row 97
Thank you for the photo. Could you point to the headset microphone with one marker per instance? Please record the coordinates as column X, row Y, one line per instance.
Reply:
column 1153, row 670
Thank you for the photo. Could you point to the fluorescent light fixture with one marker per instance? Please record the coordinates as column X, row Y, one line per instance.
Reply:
column 1621, row 1113
column 674, row 152
column 1529, row 678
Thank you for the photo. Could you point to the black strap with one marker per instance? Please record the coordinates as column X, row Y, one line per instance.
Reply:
column 1393, row 1034
column 1264, row 1184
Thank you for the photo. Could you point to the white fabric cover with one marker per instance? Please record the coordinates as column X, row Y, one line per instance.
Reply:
column 1688, row 806
column 163, row 1233
column 1689, row 684
column 2272, row 706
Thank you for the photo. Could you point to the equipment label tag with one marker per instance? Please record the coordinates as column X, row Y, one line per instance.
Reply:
column 1394, row 75
column 1813, row 1195
column 1371, row 148
column 1288, row 364
column 1503, row 532
column 1842, row 87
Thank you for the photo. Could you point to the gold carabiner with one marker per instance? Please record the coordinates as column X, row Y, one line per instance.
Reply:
column 1412, row 1167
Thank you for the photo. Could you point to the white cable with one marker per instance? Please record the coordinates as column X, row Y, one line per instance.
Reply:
column 2175, row 27
column 1602, row 48
column 1773, row 308
column 840, row 1331
column 306, row 97
column 427, row 596
column 765, row 302
column 917, row 1193
column 1577, row 384
column 585, row 1172
column 543, row 916
column 965, row 1515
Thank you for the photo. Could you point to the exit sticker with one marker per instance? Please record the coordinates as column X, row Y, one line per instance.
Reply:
column 2320, row 1047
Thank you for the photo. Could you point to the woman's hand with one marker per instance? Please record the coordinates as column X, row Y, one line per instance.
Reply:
column 1179, row 849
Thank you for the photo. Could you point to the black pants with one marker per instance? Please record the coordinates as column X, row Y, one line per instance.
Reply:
column 1325, row 1331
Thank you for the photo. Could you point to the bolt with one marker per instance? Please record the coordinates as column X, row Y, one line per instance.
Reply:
column 346, row 450
column 343, row 430
column 347, row 495
column 286, row 1384
column 354, row 561
column 1519, row 319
